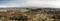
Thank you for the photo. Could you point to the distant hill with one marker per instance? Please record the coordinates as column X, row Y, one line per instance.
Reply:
column 45, row 9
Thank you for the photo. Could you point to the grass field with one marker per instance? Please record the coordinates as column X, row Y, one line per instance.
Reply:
column 31, row 14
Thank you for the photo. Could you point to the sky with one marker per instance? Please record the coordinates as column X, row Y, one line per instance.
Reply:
column 26, row 3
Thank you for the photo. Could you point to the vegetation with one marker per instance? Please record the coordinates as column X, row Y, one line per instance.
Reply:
column 19, row 18
column 42, row 14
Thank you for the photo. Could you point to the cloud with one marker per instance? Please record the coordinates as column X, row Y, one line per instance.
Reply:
column 38, row 3
column 3, row 6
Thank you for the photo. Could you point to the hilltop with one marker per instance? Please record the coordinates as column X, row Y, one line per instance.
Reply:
column 42, row 14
